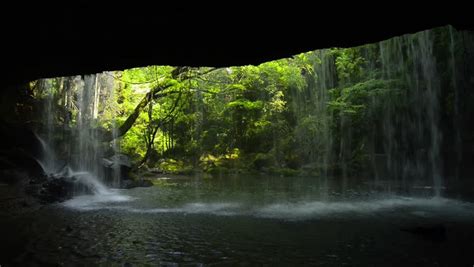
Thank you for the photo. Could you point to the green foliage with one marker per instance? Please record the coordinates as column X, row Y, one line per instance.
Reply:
column 243, row 104
column 354, row 100
column 349, row 64
column 221, row 163
column 173, row 166
column 278, row 117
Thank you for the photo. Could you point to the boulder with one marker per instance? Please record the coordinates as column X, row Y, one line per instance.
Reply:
column 117, row 163
column 121, row 160
column 57, row 187
column 56, row 190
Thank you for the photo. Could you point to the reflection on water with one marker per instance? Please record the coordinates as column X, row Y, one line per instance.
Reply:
column 245, row 220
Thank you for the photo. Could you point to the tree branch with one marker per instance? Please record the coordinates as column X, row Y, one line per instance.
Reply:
column 154, row 93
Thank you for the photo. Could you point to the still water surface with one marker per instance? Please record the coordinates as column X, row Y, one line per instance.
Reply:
column 246, row 221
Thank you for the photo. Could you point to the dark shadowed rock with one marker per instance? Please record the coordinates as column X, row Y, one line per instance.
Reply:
column 57, row 190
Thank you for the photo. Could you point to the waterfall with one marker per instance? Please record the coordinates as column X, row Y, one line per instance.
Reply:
column 394, row 133
column 457, row 124
column 325, row 73
column 88, row 150
column 314, row 120
column 81, row 146
column 379, row 110
column 108, row 83
column 412, row 137
column 116, row 159
column 48, row 160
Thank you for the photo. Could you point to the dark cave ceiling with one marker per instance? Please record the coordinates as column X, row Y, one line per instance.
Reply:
column 79, row 38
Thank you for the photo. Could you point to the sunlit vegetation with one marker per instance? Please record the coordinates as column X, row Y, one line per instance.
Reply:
column 315, row 112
